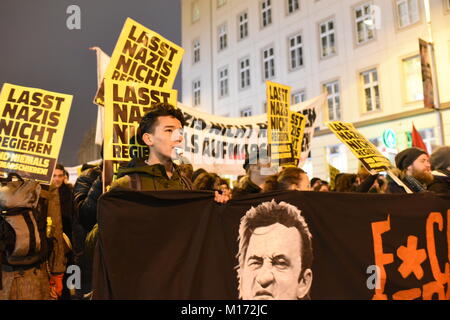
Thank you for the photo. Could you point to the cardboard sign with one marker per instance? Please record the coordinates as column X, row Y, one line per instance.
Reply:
column 279, row 122
column 32, row 124
column 126, row 104
column 141, row 55
column 333, row 173
column 372, row 159
column 298, row 124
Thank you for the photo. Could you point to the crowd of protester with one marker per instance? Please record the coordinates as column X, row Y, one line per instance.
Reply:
column 77, row 205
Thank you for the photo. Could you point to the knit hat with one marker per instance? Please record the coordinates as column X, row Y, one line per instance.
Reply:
column 405, row 158
column 440, row 158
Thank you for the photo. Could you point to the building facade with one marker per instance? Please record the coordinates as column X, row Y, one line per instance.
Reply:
column 364, row 54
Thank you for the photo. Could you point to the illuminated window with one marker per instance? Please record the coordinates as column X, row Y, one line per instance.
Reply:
column 221, row 3
column 195, row 11
column 413, row 78
column 327, row 39
column 364, row 23
column 337, row 157
column 408, row 12
column 334, row 100
column 371, row 90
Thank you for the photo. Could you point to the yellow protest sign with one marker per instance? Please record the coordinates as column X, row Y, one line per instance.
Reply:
column 279, row 122
column 371, row 158
column 142, row 55
column 333, row 172
column 298, row 124
column 32, row 124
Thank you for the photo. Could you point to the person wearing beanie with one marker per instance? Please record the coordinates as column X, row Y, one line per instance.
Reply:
column 414, row 170
column 440, row 164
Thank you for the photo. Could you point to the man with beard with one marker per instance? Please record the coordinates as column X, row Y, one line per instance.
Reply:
column 440, row 164
column 414, row 170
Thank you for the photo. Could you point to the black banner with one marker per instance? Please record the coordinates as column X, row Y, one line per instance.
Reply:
column 183, row 245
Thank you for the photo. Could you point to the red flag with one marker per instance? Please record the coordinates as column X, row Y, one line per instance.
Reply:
column 417, row 139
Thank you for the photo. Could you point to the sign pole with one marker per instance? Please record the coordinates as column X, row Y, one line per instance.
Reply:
column 398, row 181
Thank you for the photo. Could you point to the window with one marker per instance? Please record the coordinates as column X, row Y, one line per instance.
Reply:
column 429, row 139
column 364, row 23
column 295, row 52
column 266, row 13
column 243, row 25
column 371, row 90
column 408, row 12
column 223, row 82
column 221, row 3
column 247, row 112
column 293, row 5
column 244, row 73
column 337, row 157
column 334, row 101
column 327, row 39
column 447, row 5
column 268, row 63
column 412, row 73
column 298, row 97
column 195, row 11
column 196, row 92
column 222, row 32
column 196, row 50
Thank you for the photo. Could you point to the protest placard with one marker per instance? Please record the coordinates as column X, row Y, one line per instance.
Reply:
column 125, row 105
column 32, row 124
column 142, row 55
column 279, row 123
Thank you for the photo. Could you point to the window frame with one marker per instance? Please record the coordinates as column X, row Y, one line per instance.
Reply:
column 361, row 5
column 220, row 35
column 243, row 110
column 239, row 24
column 288, row 12
column 195, row 49
column 319, row 24
column 271, row 46
column 333, row 82
column 290, row 49
column 261, row 13
column 223, row 79
column 194, row 4
column 362, row 88
column 194, row 89
column 243, row 70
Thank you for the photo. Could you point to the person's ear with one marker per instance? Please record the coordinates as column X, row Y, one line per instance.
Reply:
column 148, row 139
column 304, row 285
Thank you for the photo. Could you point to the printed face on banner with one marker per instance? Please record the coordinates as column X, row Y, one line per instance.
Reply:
column 142, row 56
column 32, row 124
column 274, row 258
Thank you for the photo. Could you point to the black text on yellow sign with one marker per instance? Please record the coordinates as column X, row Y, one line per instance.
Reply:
column 144, row 56
column 279, row 122
column 125, row 105
column 367, row 153
column 298, row 124
column 32, row 123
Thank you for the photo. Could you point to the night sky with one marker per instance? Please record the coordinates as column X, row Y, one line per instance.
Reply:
column 38, row 50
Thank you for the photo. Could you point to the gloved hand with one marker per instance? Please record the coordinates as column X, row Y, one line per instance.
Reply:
column 56, row 285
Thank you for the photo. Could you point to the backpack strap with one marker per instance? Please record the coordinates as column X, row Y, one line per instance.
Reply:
column 135, row 182
column 187, row 183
